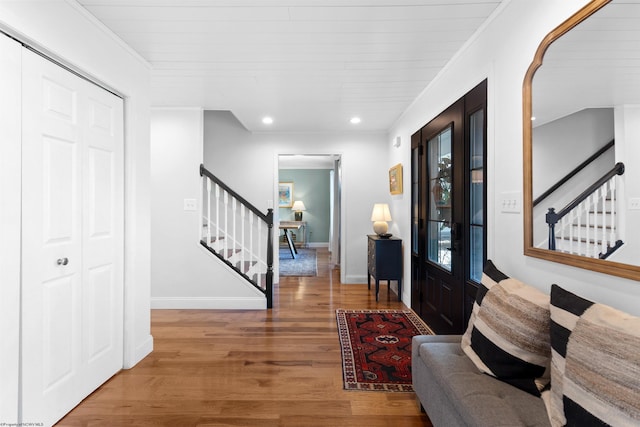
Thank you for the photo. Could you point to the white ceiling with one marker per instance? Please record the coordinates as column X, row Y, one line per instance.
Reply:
column 309, row 64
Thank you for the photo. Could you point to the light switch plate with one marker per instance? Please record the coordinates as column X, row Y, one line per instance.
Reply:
column 511, row 202
column 190, row 205
column 634, row 204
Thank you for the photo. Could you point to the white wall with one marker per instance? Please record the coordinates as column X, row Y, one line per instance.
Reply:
column 249, row 163
column 502, row 53
column 627, row 118
column 65, row 31
column 183, row 273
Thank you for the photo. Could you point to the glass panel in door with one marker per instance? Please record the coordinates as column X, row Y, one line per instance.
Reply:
column 415, row 199
column 439, row 217
column 476, row 193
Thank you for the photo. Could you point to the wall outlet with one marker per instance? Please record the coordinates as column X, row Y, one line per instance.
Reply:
column 511, row 202
column 190, row 205
column 634, row 204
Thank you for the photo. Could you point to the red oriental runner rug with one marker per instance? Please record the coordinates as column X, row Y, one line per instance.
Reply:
column 376, row 348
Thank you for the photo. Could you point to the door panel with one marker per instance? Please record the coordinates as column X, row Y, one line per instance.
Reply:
column 442, row 139
column 448, row 216
column 100, row 304
column 61, row 189
column 103, row 243
column 60, row 335
column 100, row 183
column 51, row 244
column 72, row 246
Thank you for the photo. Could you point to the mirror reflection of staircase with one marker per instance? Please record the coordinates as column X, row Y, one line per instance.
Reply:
column 589, row 225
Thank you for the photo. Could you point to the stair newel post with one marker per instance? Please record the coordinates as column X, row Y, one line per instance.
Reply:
column 552, row 219
column 269, row 278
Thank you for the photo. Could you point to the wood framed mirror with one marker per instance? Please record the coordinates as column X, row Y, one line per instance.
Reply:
column 588, row 66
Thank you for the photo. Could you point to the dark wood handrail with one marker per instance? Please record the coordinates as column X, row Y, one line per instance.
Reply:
column 553, row 217
column 574, row 172
column 264, row 217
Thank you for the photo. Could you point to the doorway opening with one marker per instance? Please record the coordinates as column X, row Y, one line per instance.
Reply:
column 314, row 182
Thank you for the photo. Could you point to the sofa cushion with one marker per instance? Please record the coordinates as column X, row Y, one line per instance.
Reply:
column 508, row 332
column 479, row 399
column 595, row 368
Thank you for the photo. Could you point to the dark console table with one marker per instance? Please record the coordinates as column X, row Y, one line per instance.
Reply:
column 384, row 262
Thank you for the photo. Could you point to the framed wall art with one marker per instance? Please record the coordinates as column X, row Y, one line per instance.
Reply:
column 395, row 179
column 285, row 194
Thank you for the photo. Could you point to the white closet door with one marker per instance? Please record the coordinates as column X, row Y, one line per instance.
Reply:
column 72, row 249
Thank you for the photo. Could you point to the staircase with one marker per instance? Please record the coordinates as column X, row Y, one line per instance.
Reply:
column 588, row 225
column 238, row 234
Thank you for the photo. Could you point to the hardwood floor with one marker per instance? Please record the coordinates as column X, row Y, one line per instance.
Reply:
column 279, row 367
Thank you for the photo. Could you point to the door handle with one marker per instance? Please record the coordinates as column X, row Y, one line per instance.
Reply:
column 456, row 228
column 62, row 261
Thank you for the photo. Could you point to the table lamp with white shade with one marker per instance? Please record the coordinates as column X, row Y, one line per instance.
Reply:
column 380, row 216
column 297, row 208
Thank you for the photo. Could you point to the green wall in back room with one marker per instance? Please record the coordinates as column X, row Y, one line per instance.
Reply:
column 312, row 186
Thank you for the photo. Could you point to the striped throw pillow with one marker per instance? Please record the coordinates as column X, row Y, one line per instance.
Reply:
column 595, row 363
column 508, row 332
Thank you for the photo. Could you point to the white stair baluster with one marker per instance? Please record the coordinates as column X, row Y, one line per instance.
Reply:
column 578, row 225
column 234, row 242
column 242, row 244
column 572, row 242
column 208, row 234
column 259, row 252
column 603, row 233
column 217, row 216
column 597, row 224
column 589, row 203
column 225, row 253
column 251, row 255
column 562, row 234
column 612, row 201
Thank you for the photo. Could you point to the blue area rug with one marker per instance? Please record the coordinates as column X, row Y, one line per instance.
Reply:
column 305, row 263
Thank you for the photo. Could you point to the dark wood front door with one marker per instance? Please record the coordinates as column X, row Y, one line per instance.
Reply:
column 448, row 216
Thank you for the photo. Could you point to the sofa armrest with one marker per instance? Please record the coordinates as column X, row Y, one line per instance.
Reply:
column 421, row 339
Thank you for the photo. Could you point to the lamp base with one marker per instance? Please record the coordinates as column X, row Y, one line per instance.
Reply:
column 297, row 216
column 385, row 235
column 380, row 227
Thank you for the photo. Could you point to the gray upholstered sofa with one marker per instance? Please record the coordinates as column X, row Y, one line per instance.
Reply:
column 454, row 392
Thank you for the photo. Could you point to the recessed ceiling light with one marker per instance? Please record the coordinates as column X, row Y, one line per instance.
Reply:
column 267, row 120
column 533, row 118
column 355, row 120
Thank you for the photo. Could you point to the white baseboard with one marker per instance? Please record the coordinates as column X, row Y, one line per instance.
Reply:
column 357, row 280
column 208, row 303
column 318, row 245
